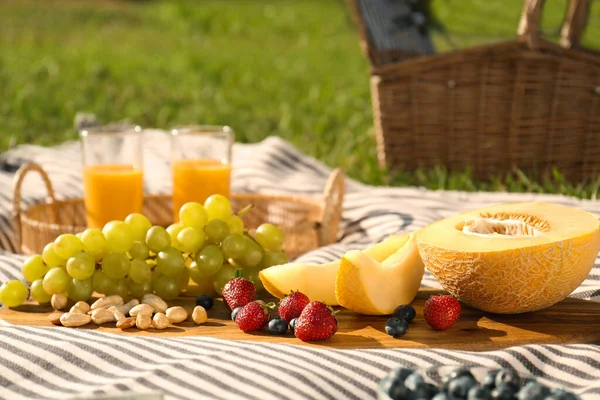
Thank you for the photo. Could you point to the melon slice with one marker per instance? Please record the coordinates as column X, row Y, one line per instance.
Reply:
column 512, row 258
column 317, row 281
column 373, row 287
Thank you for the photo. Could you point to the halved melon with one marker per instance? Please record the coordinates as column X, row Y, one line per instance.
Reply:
column 512, row 258
column 372, row 287
column 317, row 281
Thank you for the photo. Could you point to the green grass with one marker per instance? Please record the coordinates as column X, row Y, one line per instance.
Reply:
column 275, row 67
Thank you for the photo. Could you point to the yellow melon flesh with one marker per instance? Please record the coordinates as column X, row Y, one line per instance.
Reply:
column 368, row 286
column 512, row 258
column 317, row 281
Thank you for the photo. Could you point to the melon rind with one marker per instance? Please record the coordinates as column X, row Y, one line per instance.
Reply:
column 518, row 280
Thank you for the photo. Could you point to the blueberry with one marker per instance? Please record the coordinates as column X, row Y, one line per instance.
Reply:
column 503, row 392
column 396, row 327
column 457, row 373
column 235, row 312
column 205, row 301
column 533, row 391
column 508, row 377
column 399, row 392
column 458, row 388
column 278, row 326
column 440, row 396
column 425, row 391
column 406, row 312
column 489, row 380
column 400, row 374
column 293, row 324
column 561, row 394
column 479, row 393
column 414, row 381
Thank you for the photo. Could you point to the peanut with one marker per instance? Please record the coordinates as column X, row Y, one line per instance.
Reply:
column 176, row 314
column 143, row 321
column 75, row 309
column 75, row 319
column 102, row 315
column 141, row 309
column 107, row 301
column 54, row 318
column 125, row 308
column 58, row 301
column 117, row 314
column 155, row 302
column 160, row 321
column 126, row 323
column 83, row 306
column 199, row 315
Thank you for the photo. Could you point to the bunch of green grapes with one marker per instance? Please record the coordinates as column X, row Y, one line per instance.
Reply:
column 131, row 258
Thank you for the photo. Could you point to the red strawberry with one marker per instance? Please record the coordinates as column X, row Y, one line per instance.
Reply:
column 316, row 322
column 238, row 292
column 441, row 312
column 292, row 305
column 253, row 316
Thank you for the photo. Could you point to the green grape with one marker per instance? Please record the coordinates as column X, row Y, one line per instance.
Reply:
column 94, row 243
column 173, row 230
column 193, row 214
column 139, row 225
column 216, row 230
column 81, row 266
column 120, row 287
column 224, row 275
column 138, row 290
column 56, row 281
column 235, row 224
column 190, row 239
column 34, row 268
column 155, row 273
column 210, row 259
column 139, row 251
column 80, row 290
column 269, row 237
column 119, row 236
column 115, row 265
column 217, row 207
column 140, row 272
column 195, row 273
column 157, row 238
column 233, row 246
column 101, row 282
column 13, row 293
column 66, row 245
column 50, row 257
column 170, row 262
column 166, row 287
column 273, row 258
column 253, row 254
column 38, row 293
column 184, row 280
column 252, row 275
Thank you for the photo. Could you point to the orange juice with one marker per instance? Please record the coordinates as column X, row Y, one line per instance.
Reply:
column 111, row 192
column 195, row 180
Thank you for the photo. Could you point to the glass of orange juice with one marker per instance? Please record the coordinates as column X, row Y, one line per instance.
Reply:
column 112, row 173
column 200, row 162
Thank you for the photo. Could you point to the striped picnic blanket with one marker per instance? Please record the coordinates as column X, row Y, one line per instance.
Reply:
column 62, row 363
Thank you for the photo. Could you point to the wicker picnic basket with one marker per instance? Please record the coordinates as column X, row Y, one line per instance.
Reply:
column 527, row 104
column 306, row 223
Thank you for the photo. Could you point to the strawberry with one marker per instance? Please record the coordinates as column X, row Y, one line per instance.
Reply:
column 238, row 292
column 292, row 305
column 253, row 316
column 441, row 312
column 316, row 322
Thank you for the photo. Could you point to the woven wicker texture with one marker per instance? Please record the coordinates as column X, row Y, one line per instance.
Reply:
column 306, row 223
column 526, row 104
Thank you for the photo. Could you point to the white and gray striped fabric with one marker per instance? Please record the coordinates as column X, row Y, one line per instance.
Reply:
column 61, row 363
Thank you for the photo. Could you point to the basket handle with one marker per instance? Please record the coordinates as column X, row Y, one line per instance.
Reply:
column 333, row 194
column 530, row 23
column 17, row 196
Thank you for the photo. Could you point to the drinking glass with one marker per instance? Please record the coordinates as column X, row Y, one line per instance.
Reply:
column 200, row 162
column 112, row 173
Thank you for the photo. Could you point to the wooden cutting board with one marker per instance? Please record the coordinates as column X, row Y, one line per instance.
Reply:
column 570, row 321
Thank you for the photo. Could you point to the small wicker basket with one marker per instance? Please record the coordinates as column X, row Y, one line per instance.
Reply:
column 306, row 223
